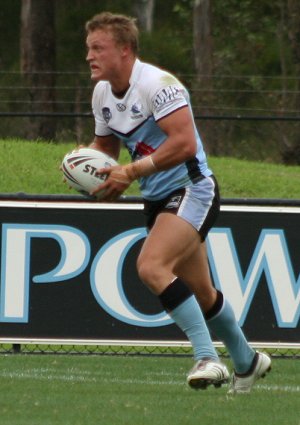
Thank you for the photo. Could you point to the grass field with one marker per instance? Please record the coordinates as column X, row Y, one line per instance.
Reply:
column 104, row 390
column 42, row 389
column 33, row 167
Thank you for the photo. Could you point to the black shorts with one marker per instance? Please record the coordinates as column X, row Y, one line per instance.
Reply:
column 198, row 204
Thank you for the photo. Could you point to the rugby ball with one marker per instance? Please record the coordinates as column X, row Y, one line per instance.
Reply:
column 80, row 169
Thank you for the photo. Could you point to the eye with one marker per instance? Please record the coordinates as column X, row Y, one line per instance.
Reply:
column 94, row 48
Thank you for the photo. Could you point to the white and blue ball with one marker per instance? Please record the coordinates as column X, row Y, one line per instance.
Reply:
column 80, row 168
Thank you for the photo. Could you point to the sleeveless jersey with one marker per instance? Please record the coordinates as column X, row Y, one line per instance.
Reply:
column 152, row 95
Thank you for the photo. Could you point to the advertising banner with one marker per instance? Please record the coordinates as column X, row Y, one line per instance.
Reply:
column 68, row 272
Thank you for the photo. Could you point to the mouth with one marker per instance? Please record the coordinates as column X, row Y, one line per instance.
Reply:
column 94, row 67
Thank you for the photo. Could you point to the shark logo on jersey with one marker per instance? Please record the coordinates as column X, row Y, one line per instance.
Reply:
column 106, row 114
column 136, row 111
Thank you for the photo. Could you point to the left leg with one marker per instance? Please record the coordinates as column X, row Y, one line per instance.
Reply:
column 217, row 311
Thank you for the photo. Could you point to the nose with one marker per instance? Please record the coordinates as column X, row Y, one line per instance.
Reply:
column 89, row 56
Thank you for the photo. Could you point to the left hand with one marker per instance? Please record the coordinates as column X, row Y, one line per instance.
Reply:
column 119, row 177
column 116, row 183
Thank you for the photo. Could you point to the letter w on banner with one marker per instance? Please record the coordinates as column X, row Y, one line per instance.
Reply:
column 271, row 257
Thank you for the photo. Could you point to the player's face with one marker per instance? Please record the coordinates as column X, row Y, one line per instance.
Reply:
column 103, row 56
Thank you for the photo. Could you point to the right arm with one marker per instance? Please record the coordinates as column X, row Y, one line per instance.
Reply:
column 107, row 142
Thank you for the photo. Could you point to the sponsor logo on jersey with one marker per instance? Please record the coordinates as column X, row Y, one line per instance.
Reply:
column 106, row 114
column 167, row 95
column 121, row 107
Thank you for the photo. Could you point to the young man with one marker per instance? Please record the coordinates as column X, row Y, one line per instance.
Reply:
column 148, row 110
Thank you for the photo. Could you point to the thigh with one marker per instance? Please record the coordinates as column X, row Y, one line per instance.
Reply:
column 174, row 248
column 170, row 241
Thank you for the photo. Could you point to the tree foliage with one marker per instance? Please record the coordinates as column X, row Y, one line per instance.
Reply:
column 249, row 64
column 38, row 47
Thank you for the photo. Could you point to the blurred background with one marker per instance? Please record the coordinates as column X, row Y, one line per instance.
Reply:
column 240, row 61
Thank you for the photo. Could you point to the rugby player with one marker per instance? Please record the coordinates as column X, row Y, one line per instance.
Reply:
column 147, row 109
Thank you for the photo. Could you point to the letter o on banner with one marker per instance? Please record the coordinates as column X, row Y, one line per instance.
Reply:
column 107, row 286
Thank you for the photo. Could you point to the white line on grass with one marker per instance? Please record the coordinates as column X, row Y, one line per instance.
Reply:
column 81, row 378
column 46, row 374
column 279, row 388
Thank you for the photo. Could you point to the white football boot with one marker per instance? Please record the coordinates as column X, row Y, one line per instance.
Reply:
column 207, row 372
column 242, row 384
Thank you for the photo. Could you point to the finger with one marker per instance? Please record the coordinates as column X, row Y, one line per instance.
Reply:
column 101, row 187
column 109, row 191
column 105, row 170
column 110, row 195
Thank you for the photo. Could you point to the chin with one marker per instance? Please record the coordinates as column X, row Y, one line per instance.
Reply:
column 95, row 77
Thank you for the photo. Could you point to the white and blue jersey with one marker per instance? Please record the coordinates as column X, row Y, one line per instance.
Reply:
column 152, row 95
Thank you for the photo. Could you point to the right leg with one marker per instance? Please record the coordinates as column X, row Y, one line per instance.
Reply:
column 162, row 250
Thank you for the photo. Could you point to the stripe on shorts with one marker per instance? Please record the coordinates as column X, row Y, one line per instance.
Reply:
column 197, row 202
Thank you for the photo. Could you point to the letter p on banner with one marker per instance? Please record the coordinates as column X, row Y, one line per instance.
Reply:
column 15, row 264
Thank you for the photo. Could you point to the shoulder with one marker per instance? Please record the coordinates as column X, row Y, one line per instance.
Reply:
column 100, row 88
column 153, row 78
column 99, row 95
column 163, row 91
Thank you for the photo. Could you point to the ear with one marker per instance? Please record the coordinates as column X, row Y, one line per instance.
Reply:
column 125, row 51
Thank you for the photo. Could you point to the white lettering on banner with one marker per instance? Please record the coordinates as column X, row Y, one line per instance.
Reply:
column 15, row 264
column 271, row 256
column 106, row 281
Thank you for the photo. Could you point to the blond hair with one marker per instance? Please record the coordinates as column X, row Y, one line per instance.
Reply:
column 123, row 28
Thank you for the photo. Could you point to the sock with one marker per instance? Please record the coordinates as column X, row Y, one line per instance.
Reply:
column 184, row 309
column 222, row 322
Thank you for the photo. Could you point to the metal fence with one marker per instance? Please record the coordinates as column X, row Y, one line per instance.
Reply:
column 250, row 116
column 126, row 348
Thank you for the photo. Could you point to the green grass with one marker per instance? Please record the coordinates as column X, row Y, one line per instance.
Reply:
column 33, row 167
column 118, row 390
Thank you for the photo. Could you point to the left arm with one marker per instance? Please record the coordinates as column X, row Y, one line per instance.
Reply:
column 179, row 146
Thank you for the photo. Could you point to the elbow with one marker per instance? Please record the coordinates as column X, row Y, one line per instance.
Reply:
column 194, row 151
column 190, row 150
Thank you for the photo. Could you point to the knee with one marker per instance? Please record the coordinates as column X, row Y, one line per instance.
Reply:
column 149, row 272
column 145, row 270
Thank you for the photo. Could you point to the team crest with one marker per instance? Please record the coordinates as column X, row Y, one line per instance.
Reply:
column 106, row 114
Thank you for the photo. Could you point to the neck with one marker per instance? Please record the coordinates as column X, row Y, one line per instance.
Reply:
column 120, row 94
column 121, row 84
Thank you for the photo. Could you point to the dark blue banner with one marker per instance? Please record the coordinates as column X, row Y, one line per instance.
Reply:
column 68, row 272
